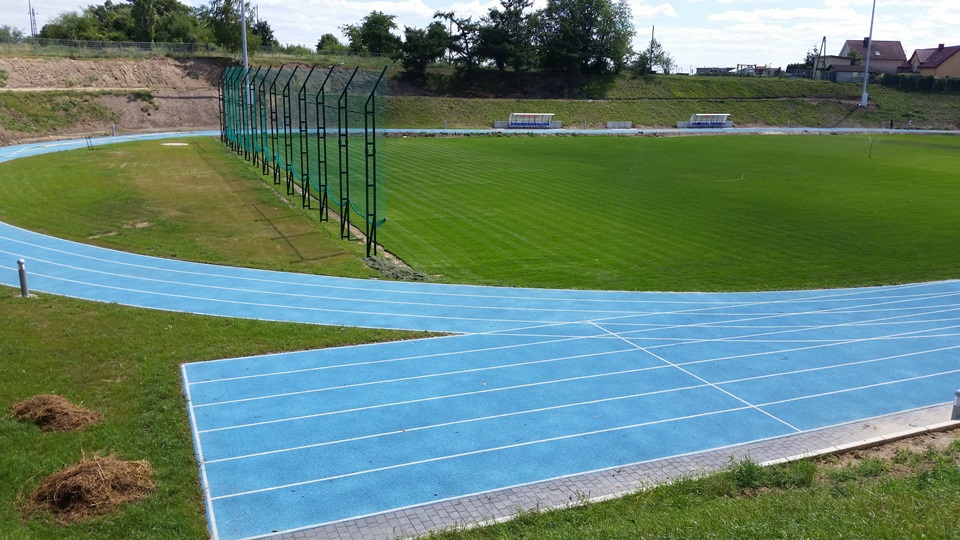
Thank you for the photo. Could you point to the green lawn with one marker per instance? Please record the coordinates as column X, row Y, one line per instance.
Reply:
column 124, row 363
column 210, row 207
column 912, row 495
column 690, row 213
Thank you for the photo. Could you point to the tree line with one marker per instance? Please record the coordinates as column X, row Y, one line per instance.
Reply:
column 168, row 21
column 567, row 36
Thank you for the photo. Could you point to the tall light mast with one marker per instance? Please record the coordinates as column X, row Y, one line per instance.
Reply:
column 246, row 60
column 33, row 19
column 866, row 69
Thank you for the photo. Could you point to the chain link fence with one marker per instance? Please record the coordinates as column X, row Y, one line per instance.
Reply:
column 946, row 85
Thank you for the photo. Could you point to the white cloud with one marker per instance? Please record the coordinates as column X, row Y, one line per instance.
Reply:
column 784, row 15
column 640, row 9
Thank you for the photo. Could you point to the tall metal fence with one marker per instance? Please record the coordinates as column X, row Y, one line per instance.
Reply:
column 316, row 130
column 922, row 84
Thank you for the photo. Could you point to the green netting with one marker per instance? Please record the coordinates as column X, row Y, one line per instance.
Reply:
column 317, row 131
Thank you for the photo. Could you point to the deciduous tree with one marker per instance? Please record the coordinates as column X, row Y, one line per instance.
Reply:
column 585, row 36
column 222, row 17
column 373, row 34
column 421, row 47
column 463, row 40
column 652, row 57
column 506, row 35
column 329, row 43
column 262, row 30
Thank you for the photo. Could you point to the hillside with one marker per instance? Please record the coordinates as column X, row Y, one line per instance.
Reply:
column 59, row 97
column 661, row 101
column 64, row 97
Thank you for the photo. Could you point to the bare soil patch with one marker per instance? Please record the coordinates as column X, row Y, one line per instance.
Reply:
column 916, row 444
column 158, row 72
column 93, row 487
column 54, row 413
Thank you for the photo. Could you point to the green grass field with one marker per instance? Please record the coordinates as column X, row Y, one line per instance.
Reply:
column 212, row 207
column 686, row 213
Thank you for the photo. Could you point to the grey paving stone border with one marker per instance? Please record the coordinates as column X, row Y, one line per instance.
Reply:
column 501, row 505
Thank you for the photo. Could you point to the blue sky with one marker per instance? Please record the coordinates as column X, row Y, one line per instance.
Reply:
column 696, row 33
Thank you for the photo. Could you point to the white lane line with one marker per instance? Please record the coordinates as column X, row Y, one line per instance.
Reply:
column 303, row 296
column 412, row 378
column 573, row 436
column 198, row 448
column 714, row 386
column 864, row 387
column 648, row 350
column 368, row 287
column 704, row 384
column 794, row 349
column 565, row 296
column 391, row 315
column 418, row 357
column 477, row 452
column 460, row 422
column 712, row 326
column 636, row 334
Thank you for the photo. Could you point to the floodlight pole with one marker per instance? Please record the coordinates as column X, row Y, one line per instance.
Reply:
column 866, row 69
column 246, row 60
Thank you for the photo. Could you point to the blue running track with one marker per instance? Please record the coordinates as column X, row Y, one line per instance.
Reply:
column 534, row 385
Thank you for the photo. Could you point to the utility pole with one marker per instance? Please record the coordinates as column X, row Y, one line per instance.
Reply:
column 653, row 30
column 820, row 65
column 866, row 69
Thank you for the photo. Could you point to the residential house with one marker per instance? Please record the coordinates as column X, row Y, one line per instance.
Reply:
column 940, row 62
column 885, row 56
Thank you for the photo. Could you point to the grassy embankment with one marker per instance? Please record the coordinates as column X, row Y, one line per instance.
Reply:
column 647, row 102
column 41, row 113
column 662, row 101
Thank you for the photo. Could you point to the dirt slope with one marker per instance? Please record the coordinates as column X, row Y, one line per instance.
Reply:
column 184, row 92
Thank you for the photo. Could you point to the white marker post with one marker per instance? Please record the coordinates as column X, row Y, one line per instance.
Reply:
column 24, row 290
column 955, row 414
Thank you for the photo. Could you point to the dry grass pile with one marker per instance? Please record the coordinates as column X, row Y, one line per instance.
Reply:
column 95, row 486
column 54, row 413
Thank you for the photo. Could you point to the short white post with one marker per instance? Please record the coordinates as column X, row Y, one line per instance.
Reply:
column 955, row 414
column 24, row 290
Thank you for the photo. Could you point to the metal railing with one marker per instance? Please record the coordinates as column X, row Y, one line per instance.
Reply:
column 922, row 84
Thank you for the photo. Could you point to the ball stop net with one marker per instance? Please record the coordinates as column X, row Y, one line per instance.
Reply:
column 319, row 132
